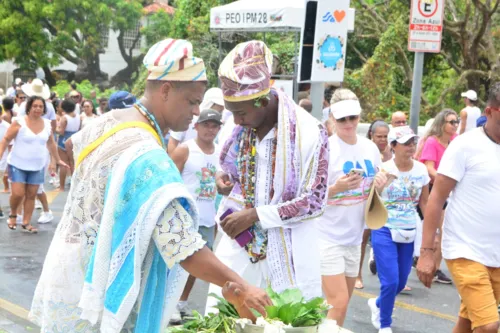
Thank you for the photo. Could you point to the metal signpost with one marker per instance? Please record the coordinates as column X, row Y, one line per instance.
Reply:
column 425, row 33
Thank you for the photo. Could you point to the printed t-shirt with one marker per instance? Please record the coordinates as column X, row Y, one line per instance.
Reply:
column 343, row 221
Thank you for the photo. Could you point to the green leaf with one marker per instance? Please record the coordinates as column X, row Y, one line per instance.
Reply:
column 291, row 296
column 272, row 312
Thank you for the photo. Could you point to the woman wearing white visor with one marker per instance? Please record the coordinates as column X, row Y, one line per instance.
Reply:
column 354, row 163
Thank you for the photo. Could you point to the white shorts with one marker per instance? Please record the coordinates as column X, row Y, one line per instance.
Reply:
column 340, row 259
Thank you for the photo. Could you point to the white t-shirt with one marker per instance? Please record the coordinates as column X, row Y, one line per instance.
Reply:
column 402, row 195
column 472, row 219
column 50, row 114
column 473, row 113
column 187, row 135
column 343, row 221
column 3, row 159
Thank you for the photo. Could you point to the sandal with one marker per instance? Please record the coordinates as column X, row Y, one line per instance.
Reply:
column 29, row 228
column 10, row 225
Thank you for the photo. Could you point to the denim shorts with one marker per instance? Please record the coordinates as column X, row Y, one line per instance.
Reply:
column 26, row 177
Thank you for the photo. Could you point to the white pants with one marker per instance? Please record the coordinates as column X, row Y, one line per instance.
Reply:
column 236, row 258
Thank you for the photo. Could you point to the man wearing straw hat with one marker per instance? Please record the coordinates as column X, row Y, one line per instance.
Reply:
column 128, row 234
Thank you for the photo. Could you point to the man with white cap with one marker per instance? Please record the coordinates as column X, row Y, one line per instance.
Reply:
column 469, row 114
column 212, row 99
column 275, row 165
column 128, row 236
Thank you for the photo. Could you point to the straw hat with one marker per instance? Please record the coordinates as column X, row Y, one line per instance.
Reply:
column 375, row 211
column 36, row 88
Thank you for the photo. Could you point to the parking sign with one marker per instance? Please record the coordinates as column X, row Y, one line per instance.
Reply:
column 426, row 26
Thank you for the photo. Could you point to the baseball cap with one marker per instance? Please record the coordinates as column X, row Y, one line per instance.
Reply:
column 121, row 100
column 209, row 115
column 401, row 134
column 470, row 94
column 345, row 108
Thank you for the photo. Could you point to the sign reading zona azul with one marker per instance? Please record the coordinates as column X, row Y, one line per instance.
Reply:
column 426, row 26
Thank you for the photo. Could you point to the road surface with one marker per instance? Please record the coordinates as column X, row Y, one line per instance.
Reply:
column 22, row 256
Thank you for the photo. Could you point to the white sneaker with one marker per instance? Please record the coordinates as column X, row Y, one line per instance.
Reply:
column 184, row 309
column 38, row 204
column 46, row 217
column 176, row 318
column 372, row 303
column 385, row 330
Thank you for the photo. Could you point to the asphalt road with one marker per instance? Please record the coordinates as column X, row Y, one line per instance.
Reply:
column 22, row 256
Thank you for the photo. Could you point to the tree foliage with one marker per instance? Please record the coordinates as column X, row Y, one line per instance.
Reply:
column 380, row 69
column 41, row 33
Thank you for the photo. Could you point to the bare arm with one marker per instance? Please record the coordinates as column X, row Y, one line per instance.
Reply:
column 431, row 168
column 440, row 192
column 180, row 156
column 9, row 136
column 69, row 151
column 172, row 145
column 53, row 124
column 52, row 147
column 62, row 126
column 424, row 198
column 463, row 121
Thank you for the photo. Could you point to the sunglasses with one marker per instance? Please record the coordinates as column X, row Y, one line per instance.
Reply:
column 350, row 118
column 453, row 122
column 22, row 98
column 401, row 122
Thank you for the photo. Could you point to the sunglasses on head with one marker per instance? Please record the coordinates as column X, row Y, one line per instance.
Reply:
column 350, row 118
column 453, row 122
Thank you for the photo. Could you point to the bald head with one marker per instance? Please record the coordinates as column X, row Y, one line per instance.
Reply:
column 306, row 105
column 398, row 119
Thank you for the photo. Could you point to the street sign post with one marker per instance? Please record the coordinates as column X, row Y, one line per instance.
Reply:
column 425, row 34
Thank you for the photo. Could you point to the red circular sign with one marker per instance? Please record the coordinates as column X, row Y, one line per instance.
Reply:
column 426, row 14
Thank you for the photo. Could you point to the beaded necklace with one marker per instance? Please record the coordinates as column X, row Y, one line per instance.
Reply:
column 152, row 120
column 246, row 163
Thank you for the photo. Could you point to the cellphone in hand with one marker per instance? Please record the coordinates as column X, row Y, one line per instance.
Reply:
column 245, row 237
column 359, row 172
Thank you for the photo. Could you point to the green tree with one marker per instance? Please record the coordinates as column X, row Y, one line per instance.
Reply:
column 380, row 69
column 40, row 33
